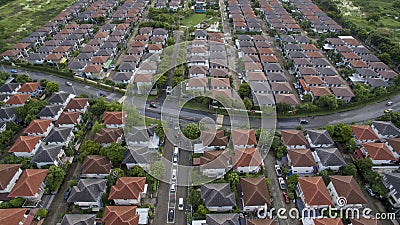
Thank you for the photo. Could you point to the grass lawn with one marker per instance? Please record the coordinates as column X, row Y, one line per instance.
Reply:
column 19, row 18
column 193, row 19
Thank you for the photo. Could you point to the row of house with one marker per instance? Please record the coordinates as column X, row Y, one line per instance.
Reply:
column 277, row 17
column 242, row 16
column 129, row 12
column 367, row 67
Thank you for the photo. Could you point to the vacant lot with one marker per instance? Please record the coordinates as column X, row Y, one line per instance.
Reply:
column 193, row 20
column 382, row 15
column 19, row 18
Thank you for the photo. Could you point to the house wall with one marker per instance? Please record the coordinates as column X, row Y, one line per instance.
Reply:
column 302, row 170
column 248, row 169
column 127, row 201
column 220, row 208
column 12, row 182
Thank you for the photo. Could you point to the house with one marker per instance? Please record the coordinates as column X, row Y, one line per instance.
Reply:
column 218, row 197
column 364, row 133
column 260, row 222
column 9, row 88
column 348, row 188
column 143, row 136
column 242, row 138
column 114, row 215
column 198, row 72
column 327, row 221
column 255, row 193
column 365, row 221
column 294, row 139
column 60, row 98
column 10, row 175
column 247, row 160
column 17, row 100
column 313, row 193
column 106, row 136
column 68, row 119
column 211, row 140
column 319, row 139
column 287, row 98
column 393, row 145
column 128, row 191
column 392, row 182
column 122, row 77
column 87, row 193
column 77, row 219
column 30, row 186
column 213, row 163
column 113, row 119
column 328, row 159
column 197, row 84
column 344, row 93
column 385, row 129
column 60, row 136
column 219, row 83
column 96, row 166
column 221, row 219
column 13, row 216
column 379, row 153
column 301, row 161
column 39, row 127
column 31, row 88
column 50, row 112
column 137, row 156
column 200, row 34
column 49, row 155
column 26, row 146
column 7, row 114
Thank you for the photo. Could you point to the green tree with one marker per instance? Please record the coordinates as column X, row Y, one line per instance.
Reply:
column 133, row 117
column 364, row 165
column 282, row 107
column 191, row 131
column 88, row 148
column 327, row 101
column 202, row 210
column 99, row 106
column 41, row 213
column 97, row 126
column 248, row 103
column 52, row 87
column 137, row 171
column 115, row 152
column 43, row 82
column 385, row 57
column 244, row 90
column 55, row 177
column 29, row 111
column 194, row 198
column 373, row 16
column 157, row 169
column 114, row 175
column 23, row 78
column 233, row 178
column 351, row 145
column 342, row 132
column 348, row 170
column 17, row 202
column 362, row 92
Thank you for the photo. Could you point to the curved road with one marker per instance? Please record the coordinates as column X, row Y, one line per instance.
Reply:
column 365, row 113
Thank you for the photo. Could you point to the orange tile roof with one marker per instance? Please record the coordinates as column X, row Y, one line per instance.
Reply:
column 243, row 137
column 108, row 135
column 328, row 221
column 301, row 158
column 37, row 126
column 7, row 172
column 68, row 118
column 247, row 157
column 364, row 132
column 378, row 151
column 315, row 191
column 29, row 183
column 25, row 144
column 29, row 87
column 18, row 99
column 127, row 188
column 96, row 164
column 120, row 215
column 255, row 191
column 12, row 216
column 347, row 186
column 293, row 137
column 77, row 103
column 112, row 118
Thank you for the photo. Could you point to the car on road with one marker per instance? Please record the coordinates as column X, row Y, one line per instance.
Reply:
column 13, row 71
column 286, row 197
column 282, row 183
column 278, row 170
column 173, row 177
column 370, row 192
column 173, row 187
column 66, row 195
column 68, row 83
column 153, row 105
column 168, row 90
column 388, row 110
column 303, row 121
column 389, row 103
column 171, row 214
column 180, row 204
column 175, row 159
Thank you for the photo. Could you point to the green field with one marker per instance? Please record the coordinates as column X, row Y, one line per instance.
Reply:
column 360, row 12
column 193, row 19
column 19, row 18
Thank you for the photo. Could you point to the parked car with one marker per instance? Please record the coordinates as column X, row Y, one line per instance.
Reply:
column 153, row 105
column 171, row 214
column 68, row 83
column 303, row 121
column 180, row 204
column 282, row 183
column 173, row 187
column 173, row 177
column 278, row 170
column 13, row 71
column 286, row 197
column 388, row 110
column 389, row 103
column 66, row 195
column 370, row 192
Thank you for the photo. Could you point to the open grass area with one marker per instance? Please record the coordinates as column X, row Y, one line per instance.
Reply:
column 19, row 18
column 358, row 11
column 193, row 19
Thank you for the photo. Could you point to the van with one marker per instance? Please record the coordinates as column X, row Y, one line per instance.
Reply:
column 180, row 204
column 176, row 150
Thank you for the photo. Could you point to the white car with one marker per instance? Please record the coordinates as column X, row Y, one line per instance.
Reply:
column 173, row 177
column 389, row 103
column 173, row 185
column 282, row 183
column 180, row 204
column 278, row 170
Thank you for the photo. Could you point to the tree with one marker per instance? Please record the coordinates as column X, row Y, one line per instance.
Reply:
column 194, row 198
column 41, row 213
column 55, row 178
column 348, row 170
column 114, row 175
column 342, row 132
column 177, row 80
column 17, row 202
column 233, row 178
column 244, row 90
column 191, row 131
column 52, row 87
column 202, row 210
column 170, row 41
column 133, row 117
column 307, row 98
column 115, row 152
column 29, row 111
column 351, row 145
column 361, row 92
column 385, row 57
column 373, row 16
column 99, row 106
column 282, row 107
column 157, row 169
column 327, row 101
column 364, row 165
column 88, row 148
column 97, row 126
column 43, row 82
column 23, row 78
column 137, row 171
column 248, row 103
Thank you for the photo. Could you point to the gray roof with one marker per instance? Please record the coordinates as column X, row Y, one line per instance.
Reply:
column 320, row 137
column 263, row 99
column 377, row 82
column 79, row 219
column 58, row 97
column 327, row 71
column 160, row 31
column 37, row 56
column 7, row 113
column 259, row 86
column 201, row 33
column 218, row 194
column 47, row 154
column 88, row 190
column 77, row 65
column 50, row 110
column 121, row 76
column 386, row 128
column 276, row 77
column 222, row 219
column 330, row 157
column 10, row 87
column 127, row 66
column 394, row 180
column 140, row 134
column 137, row 155
column 59, row 134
